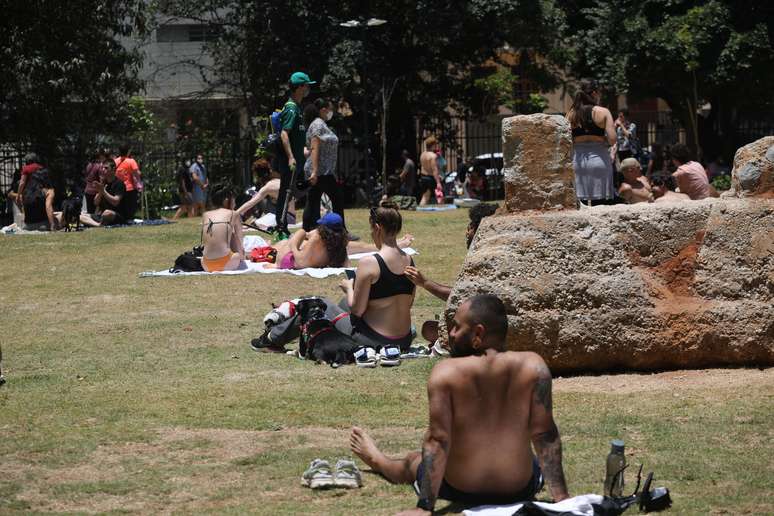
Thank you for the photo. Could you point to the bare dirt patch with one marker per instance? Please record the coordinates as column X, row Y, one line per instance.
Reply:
column 671, row 380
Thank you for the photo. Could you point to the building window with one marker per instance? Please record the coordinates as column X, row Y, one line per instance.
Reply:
column 174, row 33
column 202, row 32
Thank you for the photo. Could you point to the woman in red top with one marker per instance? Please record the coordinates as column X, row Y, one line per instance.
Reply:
column 128, row 171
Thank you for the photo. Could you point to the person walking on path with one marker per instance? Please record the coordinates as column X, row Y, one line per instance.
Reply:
column 185, row 191
column 429, row 174
column 293, row 136
column 200, row 185
column 592, row 135
column 408, row 174
column 320, row 168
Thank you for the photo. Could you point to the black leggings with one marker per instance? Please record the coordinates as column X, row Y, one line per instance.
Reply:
column 325, row 184
column 281, row 164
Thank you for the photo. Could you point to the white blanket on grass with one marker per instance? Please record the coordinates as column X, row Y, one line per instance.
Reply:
column 269, row 220
column 252, row 241
column 576, row 506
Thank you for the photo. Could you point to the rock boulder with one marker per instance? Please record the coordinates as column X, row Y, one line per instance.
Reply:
column 645, row 286
column 537, row 151
column 753, row 172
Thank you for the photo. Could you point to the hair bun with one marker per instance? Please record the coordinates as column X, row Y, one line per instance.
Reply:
column 390, row 205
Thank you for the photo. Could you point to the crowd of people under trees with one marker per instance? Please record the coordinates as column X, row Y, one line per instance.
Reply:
column 377, row 300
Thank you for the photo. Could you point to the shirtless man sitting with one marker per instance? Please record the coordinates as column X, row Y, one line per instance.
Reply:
column 664, row 190
column 326, row 246
column 429, row 175
column 635, row 187
column 486, row 405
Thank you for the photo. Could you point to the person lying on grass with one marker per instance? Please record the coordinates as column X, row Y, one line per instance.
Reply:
column 222, row 232
column 326, row 246
column 486, row 406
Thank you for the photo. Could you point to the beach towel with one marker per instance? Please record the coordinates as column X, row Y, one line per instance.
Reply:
column 14, row 229
column 266, row 221
column 437, row 207
column 583, row 505
column 249, row 242
column 141, row 222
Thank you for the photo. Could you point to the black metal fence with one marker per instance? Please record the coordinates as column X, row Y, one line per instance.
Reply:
column 159, row 162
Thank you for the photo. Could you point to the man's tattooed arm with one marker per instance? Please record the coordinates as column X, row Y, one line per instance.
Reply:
column 545, row 434
column 437, row 442
column 434, row 455
column 548, row 446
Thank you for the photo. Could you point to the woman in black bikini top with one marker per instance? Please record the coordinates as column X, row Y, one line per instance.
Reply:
column 381, row 296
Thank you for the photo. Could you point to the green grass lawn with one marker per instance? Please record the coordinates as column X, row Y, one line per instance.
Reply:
column 130, row 394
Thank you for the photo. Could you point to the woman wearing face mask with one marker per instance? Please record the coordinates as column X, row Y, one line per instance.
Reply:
column 320, row 167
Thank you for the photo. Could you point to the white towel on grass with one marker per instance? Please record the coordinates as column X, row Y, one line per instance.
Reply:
column 576, row 506
column 250, row 242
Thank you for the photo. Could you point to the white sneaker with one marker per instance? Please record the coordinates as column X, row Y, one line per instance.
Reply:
column 318, row 475
column 389, row 356
column 347, row 475
column 365, row 357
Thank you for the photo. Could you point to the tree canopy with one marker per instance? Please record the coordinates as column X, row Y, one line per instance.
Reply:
column 67, row 73
column 688, row 52
column 428, row 54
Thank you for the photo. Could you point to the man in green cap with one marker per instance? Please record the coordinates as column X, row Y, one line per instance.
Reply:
column 293, row 137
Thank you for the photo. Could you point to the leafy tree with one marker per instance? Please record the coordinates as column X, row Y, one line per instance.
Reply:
column 422, row 61
column 687, row 52
column 67, row 73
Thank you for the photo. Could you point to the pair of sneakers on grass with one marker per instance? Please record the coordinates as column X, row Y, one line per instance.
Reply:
column 387, row 356
column 320, row 476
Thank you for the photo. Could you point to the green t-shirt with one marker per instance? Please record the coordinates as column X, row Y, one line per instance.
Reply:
column 292, row 122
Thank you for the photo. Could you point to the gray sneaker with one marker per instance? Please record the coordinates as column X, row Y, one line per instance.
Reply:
column 347, row 475
column 318, row 475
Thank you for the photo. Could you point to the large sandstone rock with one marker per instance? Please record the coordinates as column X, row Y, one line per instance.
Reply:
column 537, row 152
column 645, row 286
column 753, row 172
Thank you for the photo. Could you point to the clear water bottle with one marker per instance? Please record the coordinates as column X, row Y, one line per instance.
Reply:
column 616, row 462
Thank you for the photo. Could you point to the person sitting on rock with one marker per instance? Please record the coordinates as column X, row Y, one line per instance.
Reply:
column 476, row 451
column 635, row 187
column 663, row 188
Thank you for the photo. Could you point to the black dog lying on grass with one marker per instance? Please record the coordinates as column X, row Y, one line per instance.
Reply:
column 320, row 340
column 71, row 213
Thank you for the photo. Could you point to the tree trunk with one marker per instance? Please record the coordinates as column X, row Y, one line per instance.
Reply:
column 386, row 98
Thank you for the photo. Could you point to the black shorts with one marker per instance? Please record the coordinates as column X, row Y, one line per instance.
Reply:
column 118, row 219
column 426, row 183
column 367, row 336
column 452, row 494
column 131, row 202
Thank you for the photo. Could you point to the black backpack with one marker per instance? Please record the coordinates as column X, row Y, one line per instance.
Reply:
column 189, row 261
column 34, row 198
